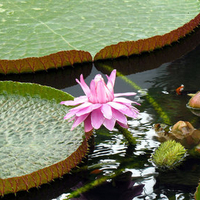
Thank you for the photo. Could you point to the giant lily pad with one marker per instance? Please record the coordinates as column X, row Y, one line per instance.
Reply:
column 36, row 144
column 62, row 33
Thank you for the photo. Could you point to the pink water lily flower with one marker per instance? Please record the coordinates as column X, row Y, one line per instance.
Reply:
column 100, row 106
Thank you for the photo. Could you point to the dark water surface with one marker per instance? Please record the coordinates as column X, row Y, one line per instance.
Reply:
column 157, row 74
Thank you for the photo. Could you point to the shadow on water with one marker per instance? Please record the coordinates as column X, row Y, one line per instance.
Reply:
column 159, row 73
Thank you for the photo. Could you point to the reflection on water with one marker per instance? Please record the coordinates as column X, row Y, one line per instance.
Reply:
column 111, row 152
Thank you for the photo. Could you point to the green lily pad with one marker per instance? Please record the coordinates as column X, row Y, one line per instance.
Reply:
column 38, row 28
column 41, row 28
column 36, row 144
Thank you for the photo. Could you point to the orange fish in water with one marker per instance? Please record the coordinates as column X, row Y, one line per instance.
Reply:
column 179, row 89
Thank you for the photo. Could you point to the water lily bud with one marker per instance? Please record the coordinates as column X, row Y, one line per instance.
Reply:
column 195, row 101
column 182, row 128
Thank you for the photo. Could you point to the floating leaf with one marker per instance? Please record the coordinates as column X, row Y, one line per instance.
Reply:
column 31, row 30
column 36, row 144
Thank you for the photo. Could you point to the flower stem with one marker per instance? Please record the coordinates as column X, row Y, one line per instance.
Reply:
column 127, row 134
column 92, row 185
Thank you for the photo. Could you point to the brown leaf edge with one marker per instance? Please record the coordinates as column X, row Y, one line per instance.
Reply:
column 55, row 60
column 147, row 45
column 45, row 175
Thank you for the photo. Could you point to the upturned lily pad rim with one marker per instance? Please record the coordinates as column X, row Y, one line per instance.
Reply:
column 47, row 174
column 33, row 89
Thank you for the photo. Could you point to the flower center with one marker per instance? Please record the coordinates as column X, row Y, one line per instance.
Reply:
column 100, row 93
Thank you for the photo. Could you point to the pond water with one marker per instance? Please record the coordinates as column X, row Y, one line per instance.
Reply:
column 154, row 75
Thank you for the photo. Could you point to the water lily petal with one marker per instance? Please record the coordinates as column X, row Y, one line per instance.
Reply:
column 93, row 96
column 87, row 124
column 68, row 103
column 81, row 99
column 117, row 106
column 124, row 100
column 101, row 92
column 107, row 111
column 109, row 94
column 97, row 118
column 133, row 113
column 79, row 120
column 125, row 94
column 111, row 80
column 126, row 110
column 76, row 101
column 133, row 109
column 123, row 125
column 83, row 85
column 119, row 116
column 73, row 118
column 88, row 109
column 109, row 123
column 84, row 105
column 69, row 114
column 73, row 111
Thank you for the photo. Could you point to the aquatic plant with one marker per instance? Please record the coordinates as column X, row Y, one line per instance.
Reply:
column 169, row 155
column 100, row 106
column 194, row 102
